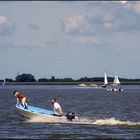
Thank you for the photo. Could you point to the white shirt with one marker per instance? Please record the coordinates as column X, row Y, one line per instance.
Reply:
column 56, row 107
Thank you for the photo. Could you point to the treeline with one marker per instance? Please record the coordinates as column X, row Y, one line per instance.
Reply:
column 31, row 78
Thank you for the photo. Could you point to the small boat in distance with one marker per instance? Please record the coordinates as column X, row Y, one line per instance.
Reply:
column 116, row 80
column 115, row 85
column 4, row 82
column 105, row 80
column 114, row 89
column 93, row 85
column 82, row 85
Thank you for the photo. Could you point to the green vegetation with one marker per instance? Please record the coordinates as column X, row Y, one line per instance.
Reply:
column 29, row 79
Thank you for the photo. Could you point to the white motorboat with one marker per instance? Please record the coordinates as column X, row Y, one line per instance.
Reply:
column 93, row 85
column 82, row 85
column 33, row 111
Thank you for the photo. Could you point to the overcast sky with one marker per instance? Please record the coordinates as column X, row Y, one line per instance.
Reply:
column 69, row 39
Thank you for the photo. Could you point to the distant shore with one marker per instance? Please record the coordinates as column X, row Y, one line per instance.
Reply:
column 65, row 83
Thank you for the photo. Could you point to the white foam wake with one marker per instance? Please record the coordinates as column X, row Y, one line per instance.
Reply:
column 86, row 121
column 113, row 121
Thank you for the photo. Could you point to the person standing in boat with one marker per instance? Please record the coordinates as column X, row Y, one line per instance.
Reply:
column 20, row 98
column 57, row 108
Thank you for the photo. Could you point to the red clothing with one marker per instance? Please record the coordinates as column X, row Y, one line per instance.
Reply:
column 20, row 96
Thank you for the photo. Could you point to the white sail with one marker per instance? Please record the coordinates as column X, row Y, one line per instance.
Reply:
column 116, row 80
column 105, row 79
column 4, row 82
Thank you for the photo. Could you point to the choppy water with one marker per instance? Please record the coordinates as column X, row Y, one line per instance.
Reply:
column 102, row 114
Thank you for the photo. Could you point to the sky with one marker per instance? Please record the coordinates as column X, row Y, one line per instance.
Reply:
column 70, row 38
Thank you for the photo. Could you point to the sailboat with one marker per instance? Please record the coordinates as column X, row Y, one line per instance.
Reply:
column 105, row 80
column 116, row 81
column 4, row 82
column 115, row 85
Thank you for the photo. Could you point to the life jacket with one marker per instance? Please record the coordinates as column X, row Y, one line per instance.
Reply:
column 20, row 96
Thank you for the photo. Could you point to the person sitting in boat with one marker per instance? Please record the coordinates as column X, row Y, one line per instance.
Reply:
column 57, row 108
column 20, row 98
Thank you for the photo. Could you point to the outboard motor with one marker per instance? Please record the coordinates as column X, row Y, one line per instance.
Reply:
column 70, row 115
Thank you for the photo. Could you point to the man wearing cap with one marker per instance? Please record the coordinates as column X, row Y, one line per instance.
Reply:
column 20, row 98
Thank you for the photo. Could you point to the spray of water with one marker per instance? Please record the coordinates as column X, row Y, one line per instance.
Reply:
column 83, row 121
column 113, row 121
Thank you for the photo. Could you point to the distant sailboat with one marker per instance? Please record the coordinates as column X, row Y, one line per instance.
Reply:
column 105, row 80
column 4, row 82
column 115, row 85
column 116, row 80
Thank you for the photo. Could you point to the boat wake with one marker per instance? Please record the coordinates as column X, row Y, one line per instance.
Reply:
column 113, row 121
column 83, row 121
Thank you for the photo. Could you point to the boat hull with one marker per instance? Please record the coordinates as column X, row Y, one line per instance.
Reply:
column 114, row 89
column 32, row 112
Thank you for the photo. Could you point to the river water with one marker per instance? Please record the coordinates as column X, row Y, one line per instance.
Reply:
column 102, row 114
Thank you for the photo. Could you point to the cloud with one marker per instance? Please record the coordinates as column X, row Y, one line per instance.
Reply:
column 90, row 25
column 105, row 17
column 3, row 20
column 86, row 40
column 74, row 23
column 6, row 28
column 108, row 25
column 10, row 45
column 33, row 26
column 102, row 20
column 136, row 7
